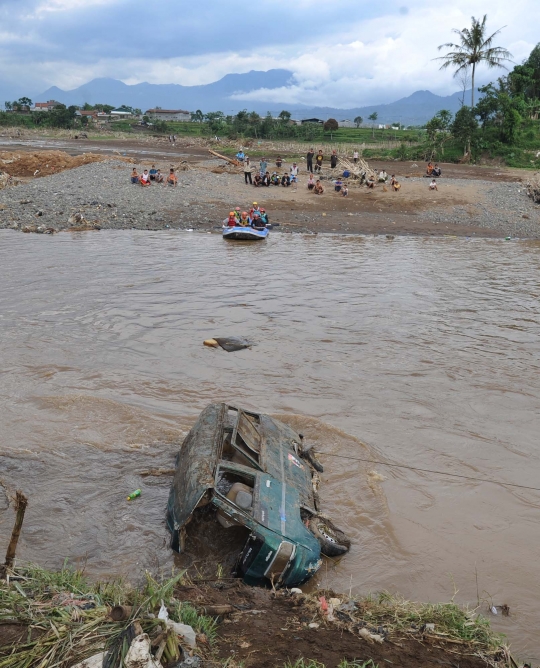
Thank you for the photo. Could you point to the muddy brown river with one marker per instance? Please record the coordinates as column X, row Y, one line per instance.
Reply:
column 422, row 352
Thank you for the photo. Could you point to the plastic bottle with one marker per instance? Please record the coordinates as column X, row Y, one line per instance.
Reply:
column 134, row 495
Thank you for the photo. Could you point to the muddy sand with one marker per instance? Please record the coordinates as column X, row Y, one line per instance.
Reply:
column 266, row 629
column 470, row 201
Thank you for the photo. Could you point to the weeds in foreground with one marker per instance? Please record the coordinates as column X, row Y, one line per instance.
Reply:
column 69, row 616
column 450, row 619
column 310, row 663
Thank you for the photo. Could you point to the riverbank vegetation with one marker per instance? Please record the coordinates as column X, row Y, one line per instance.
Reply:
column 57, row 619
column 501, row 127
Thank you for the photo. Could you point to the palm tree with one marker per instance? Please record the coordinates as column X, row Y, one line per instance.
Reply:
column 473, row 48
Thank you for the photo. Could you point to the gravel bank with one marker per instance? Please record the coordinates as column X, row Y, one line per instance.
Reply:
column 502, row 206
column 103, row 194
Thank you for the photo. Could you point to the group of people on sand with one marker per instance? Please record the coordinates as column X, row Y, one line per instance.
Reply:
column 433, row 170
column 145, row 179
column 382, row 177
column 263, row 178
column 257, row 218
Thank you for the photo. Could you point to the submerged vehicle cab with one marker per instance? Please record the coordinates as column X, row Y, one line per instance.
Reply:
column 256, row 473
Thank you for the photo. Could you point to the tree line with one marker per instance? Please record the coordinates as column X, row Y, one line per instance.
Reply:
column 506, row 112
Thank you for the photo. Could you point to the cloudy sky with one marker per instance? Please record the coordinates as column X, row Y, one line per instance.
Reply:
column 343, row 53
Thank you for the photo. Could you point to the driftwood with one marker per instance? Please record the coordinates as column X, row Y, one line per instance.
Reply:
column 359, row 169
column 232, row 161
column 20, row 508
column 533, row 187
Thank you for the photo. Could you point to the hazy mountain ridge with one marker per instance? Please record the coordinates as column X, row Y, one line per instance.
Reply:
column 412, row 110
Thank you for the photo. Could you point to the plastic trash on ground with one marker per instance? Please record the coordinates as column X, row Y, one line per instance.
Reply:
column 95, row 661
column 183, row 630
column 370, row 637
column 139, row 655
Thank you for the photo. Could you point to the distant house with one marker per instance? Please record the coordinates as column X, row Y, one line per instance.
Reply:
column 168, row 115
column 122, row 112
column 92, row 115
column 46, row 106
column 346, row 123
column 311, row 120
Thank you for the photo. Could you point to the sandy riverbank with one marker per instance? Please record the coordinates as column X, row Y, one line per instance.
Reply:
column 470, row 201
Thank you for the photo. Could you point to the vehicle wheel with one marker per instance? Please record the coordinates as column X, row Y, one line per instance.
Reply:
column 332, row 540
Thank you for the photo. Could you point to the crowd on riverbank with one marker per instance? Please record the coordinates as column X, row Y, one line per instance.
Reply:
column 484, row 202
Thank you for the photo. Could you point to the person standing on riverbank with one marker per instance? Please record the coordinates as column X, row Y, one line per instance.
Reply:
column 309, row 160
column 263, row 166
column 247, row 171
column 333, row 159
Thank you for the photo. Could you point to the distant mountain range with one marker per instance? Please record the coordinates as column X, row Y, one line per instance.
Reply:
column 412, row 110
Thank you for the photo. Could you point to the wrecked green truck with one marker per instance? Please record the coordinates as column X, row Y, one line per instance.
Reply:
column 255, row 472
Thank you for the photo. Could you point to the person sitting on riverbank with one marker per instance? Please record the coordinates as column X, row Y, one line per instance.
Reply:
column 370, row 183
column 285, row 180
column 257, row 180
column 429, row 169
column 159, row 177
column 266, row 179
column 436, row 171
column 319, row 161
column 274, row 180
column 345, row 190
column 433, row 185
column 171, row 179
column 396, row 185
column 338, row 185
column 311, row 182
column 145, row 179
column 153, row 173
column 134, row 176
column 240, row 156
column 383, row 176
column 318, row 190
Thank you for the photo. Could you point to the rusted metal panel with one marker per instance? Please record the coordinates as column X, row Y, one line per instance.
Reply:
column 196, row 464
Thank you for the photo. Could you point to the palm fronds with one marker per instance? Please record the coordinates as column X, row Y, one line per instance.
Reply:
column 472, row 48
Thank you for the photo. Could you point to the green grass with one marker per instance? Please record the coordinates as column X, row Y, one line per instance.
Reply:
column 450, row 619
column 68, row 634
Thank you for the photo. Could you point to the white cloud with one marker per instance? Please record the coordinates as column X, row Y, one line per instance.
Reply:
column 394, row 57
column 359, row 60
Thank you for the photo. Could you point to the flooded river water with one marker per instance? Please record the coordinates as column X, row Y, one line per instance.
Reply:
column 423, row 352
